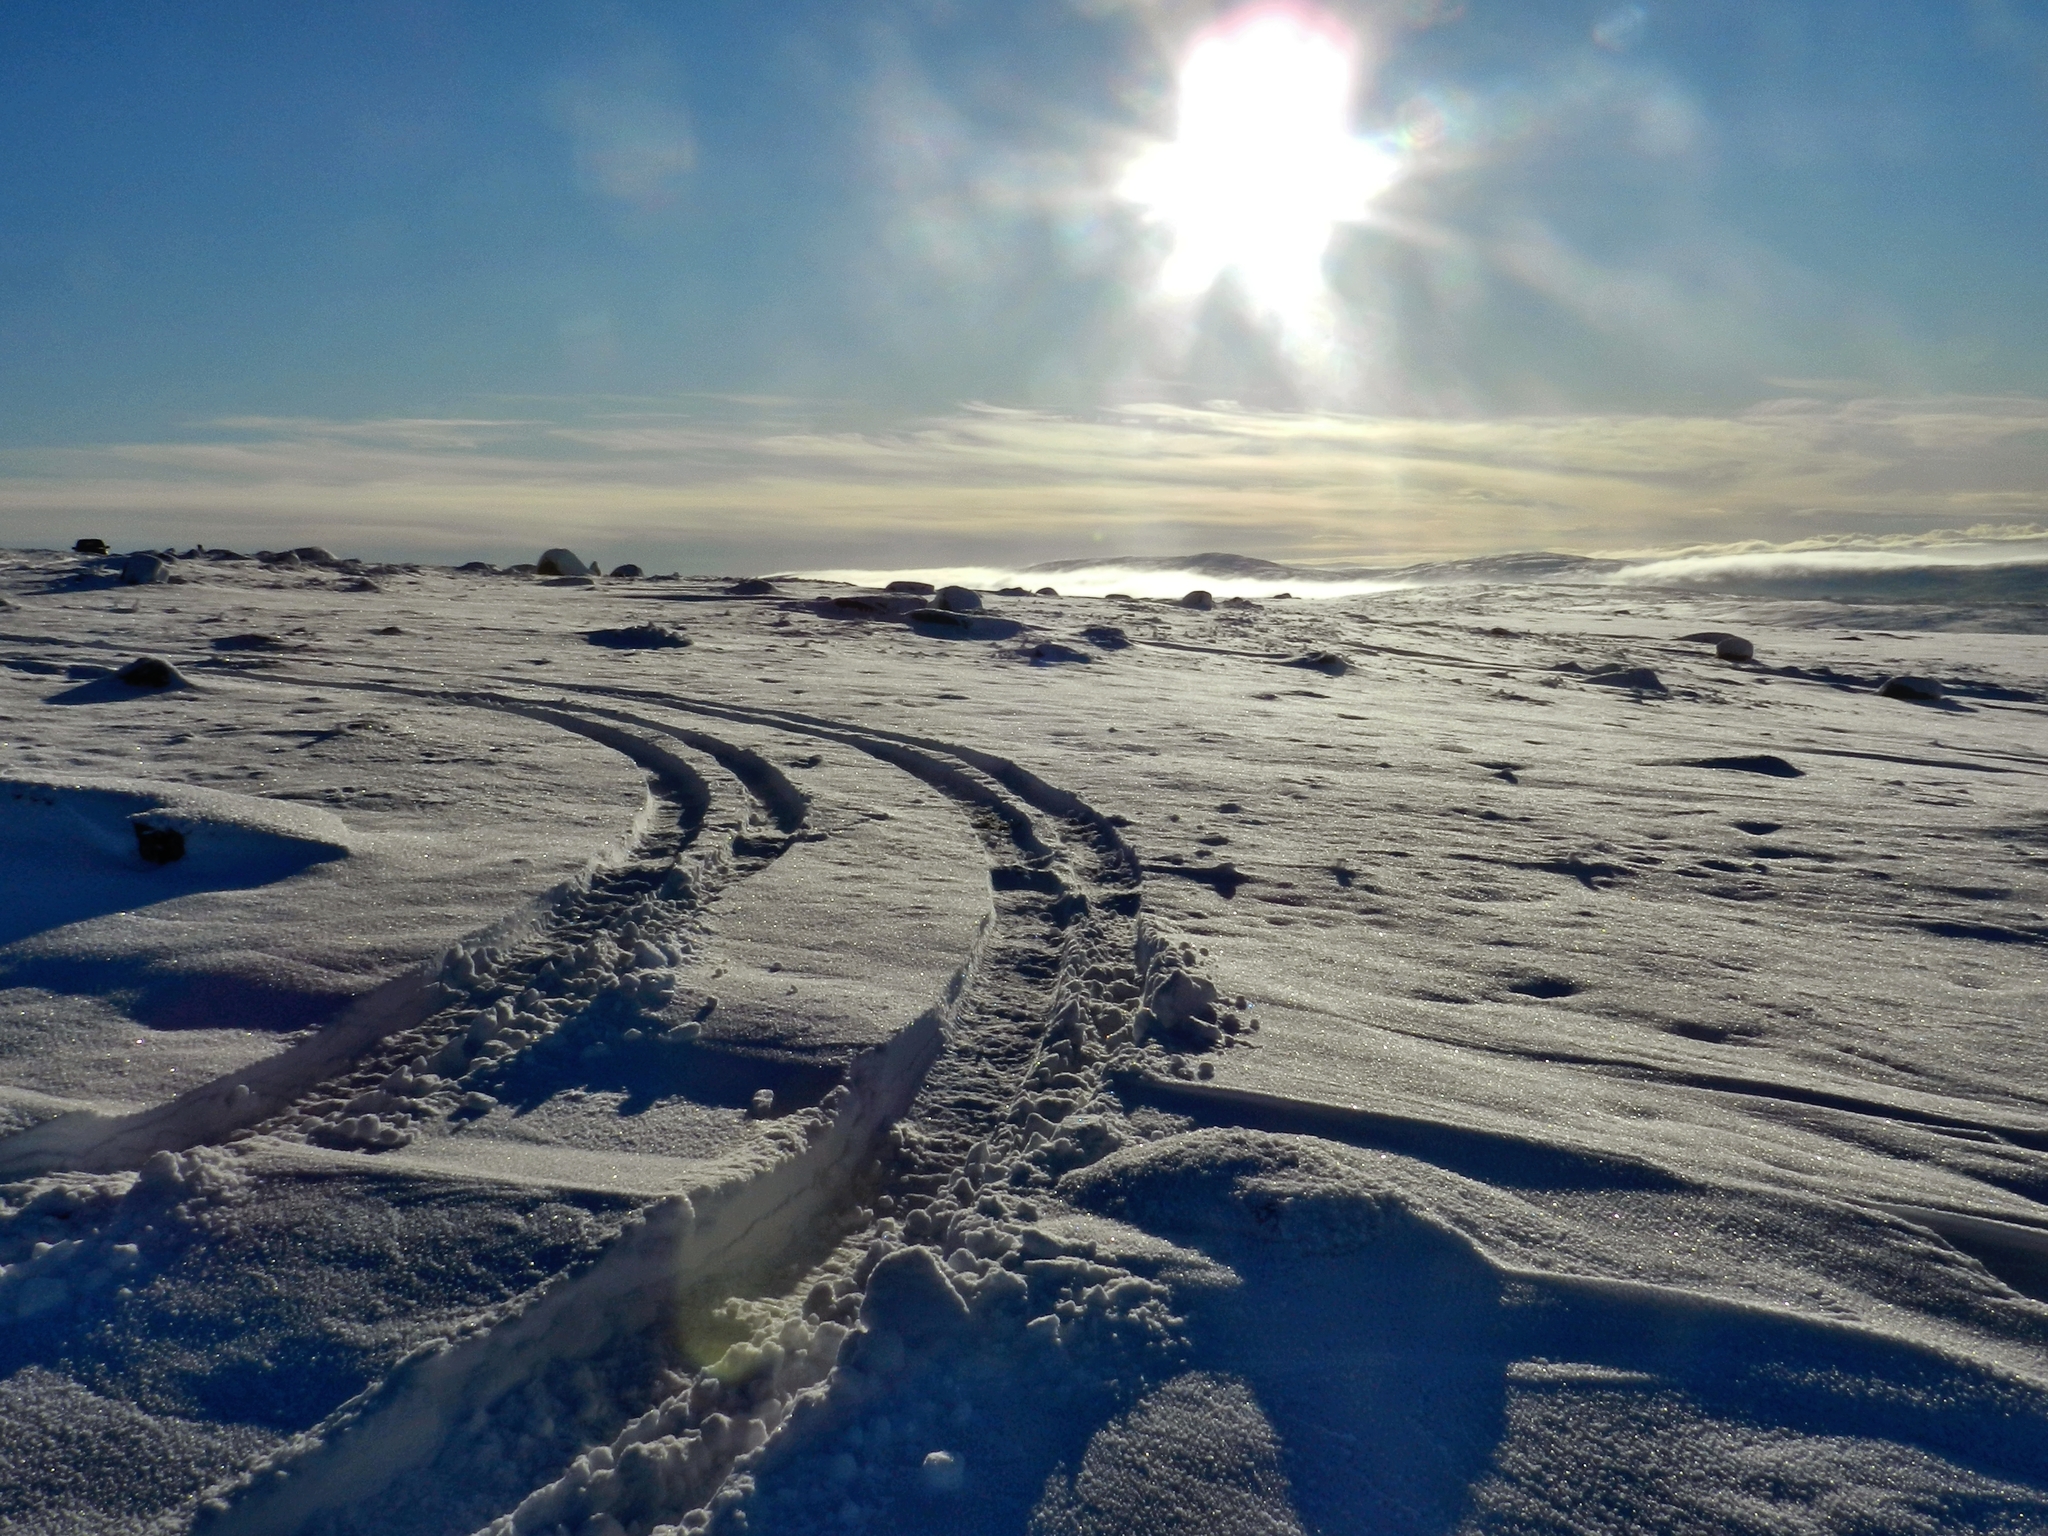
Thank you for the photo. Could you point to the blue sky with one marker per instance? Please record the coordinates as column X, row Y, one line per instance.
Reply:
column 727, row 278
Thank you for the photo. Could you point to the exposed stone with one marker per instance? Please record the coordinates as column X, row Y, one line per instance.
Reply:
column 1917, row 690
column 560, row 562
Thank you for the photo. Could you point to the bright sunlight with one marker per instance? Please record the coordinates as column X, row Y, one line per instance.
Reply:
column 1263, row 166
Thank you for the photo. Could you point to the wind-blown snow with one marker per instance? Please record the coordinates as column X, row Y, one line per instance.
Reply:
column 1487, row 1056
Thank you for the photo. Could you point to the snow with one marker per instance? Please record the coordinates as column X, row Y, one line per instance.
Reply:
column 1511, row 1048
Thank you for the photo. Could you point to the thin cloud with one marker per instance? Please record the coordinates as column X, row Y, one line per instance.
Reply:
column 1019, row 485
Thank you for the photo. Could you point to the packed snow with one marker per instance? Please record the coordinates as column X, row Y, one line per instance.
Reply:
column 1537, row 1046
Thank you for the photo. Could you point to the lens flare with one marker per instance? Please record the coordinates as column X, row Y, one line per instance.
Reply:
column 1263, row 165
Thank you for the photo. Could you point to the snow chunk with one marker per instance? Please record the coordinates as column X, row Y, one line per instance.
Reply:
column 1294, row 1190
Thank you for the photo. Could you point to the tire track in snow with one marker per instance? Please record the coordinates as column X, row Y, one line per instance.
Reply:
column 1066, row 935
column 407, row 1006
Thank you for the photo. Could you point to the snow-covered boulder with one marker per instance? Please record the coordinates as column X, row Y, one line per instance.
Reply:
column 561, row 562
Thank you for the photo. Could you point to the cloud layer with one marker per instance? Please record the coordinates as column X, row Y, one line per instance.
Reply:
column 764, row 484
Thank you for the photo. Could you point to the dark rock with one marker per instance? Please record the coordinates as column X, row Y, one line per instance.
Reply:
column 1198, row 599
column 920, row 588
column 1916, row 690
column 752, row 586
column 1326, row 662
column 1051, row 651
column 1734, row 648
column 627, row 572
column 483, row 567
column 288, row 560
column 940, row 616
column 1106, row 637
column 158, row 845
column 1642, row 679
column 1768, row 764
column 871, row 602
column 151, row 672
column 313, row 554
column 560, row 562
column 639, row 637
column 89, row 547
column 142, row 570
column 361, row 584
column 1014, row 592
column 253, row 643
column 958, row 599
column 1046, row 592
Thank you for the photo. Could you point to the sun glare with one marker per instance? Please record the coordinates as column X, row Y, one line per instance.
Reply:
column 1263, row 165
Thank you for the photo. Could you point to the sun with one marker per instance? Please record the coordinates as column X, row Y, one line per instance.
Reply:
column 1263, row 165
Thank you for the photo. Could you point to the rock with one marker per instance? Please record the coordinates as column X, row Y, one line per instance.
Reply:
column 626, row 572
column 252, row 643
column 151, row 672
column 1734, row 648
column 944, row 617
column 481, row 567
column 1327, row 662
column 89, row 547
column 313, row 554
column 639, row 637
column 752, row 586
column 958, row 599
column 1198, row 599
column 142, row 570
column 1706, row 637
column 1917, row 690
column 1014, row 592
column 1051, row 652
column 1106, row 637
column 158, row 845
column 919, row 588
column 1642, row 679
column 1046, row 592
column 560, row 562
column 270, row 557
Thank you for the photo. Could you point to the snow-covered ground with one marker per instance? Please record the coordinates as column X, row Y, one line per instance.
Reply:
column 1461, row 1058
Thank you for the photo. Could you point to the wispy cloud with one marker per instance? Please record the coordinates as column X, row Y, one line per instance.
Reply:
column 632, row 137
column 775, row 484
